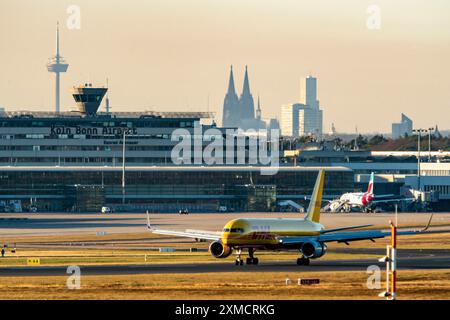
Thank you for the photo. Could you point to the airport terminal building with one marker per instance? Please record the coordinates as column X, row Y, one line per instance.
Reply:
column 67, row 162
column 73, row 161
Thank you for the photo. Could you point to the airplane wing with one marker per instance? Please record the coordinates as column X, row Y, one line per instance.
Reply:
column 344, row 228
column 392, row 200
column 195, row 234
column 342, row 236
column 381, row 196
column 324, row 198
column 346, row 237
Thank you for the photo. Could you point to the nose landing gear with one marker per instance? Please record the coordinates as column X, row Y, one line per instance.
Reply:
column 239, row 261
column 250, row 260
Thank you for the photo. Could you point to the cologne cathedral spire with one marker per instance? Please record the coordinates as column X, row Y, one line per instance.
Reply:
column 230, row 115
column 246, row 102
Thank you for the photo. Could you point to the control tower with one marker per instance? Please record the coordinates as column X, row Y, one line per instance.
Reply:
column 57, row 65
column 88, row 99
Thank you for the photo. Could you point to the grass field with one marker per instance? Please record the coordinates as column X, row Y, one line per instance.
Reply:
column 434, row 284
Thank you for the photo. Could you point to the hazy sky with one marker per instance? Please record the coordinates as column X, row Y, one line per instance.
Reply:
column 173, row 54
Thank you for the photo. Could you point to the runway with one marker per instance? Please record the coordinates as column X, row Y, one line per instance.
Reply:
column 14, row 225
column 406, row 263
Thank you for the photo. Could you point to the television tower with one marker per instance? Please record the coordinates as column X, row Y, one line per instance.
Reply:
column 57, row 64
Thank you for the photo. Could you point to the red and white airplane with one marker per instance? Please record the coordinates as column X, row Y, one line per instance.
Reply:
column 361, row 200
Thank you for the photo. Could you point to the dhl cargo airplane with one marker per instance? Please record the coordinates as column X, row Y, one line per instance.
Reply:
column 306, row 235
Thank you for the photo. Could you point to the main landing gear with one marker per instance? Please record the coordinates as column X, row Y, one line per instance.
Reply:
column 303, row 261
column 250, row 260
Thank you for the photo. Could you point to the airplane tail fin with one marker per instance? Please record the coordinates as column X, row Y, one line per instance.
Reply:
column 313, row 213
column 149, row 226
column 370, row 187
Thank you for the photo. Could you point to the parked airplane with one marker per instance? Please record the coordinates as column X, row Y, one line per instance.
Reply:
column 361, row 200
column 304, row 234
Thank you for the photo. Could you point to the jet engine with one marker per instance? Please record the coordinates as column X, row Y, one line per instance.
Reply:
column 313, row 249
column 218, row 250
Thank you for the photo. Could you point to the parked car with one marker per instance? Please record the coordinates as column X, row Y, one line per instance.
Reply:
column 106, row 210
column 183, row 211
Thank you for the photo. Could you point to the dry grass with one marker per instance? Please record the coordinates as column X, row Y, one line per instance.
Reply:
column 433, row 284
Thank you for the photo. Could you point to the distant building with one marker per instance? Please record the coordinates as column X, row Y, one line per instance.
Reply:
column 274, row 124
column 333, row 130
column 258, row 122
column 437, row 133
column 305, row 117
column 240, row 112
column 403, row 128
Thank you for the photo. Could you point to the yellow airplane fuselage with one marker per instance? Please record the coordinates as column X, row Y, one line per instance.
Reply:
column 263, row 232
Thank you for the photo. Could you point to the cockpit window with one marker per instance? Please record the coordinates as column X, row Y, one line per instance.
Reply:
column 233, row 230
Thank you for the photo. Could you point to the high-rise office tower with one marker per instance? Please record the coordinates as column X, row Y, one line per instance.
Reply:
column 308, row 92
column 403, row 128
column 305, row 117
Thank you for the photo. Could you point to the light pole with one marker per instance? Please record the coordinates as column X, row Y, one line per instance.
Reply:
column 419, row 134
column 429, row 143
column 123, row 167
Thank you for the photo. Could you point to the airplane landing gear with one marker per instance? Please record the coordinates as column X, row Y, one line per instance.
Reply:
column 239, row 261
column 302, row 261
column 251, row 259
